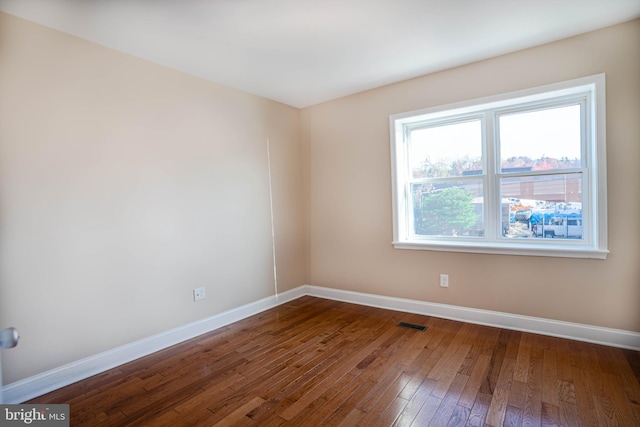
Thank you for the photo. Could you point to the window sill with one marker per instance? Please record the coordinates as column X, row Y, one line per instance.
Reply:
column 564, row 251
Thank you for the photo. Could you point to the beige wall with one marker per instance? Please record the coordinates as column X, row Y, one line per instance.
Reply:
column 351, row 225
column 123, row 186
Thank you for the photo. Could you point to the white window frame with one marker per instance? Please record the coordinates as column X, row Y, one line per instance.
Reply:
column 589, row 90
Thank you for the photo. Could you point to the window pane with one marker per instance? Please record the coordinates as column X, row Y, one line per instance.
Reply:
column 448, row 150
column 448, row 209
column 548, row 206
column 540, row 140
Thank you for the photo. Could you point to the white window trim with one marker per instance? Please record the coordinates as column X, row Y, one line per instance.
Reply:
column 595, row 208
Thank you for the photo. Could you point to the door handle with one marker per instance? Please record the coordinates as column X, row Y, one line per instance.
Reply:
column 9, row 338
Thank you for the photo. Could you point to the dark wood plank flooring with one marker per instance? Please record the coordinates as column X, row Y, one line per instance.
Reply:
column 315, row 362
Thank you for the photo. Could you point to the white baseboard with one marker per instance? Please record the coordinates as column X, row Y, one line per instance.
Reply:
column 28, row 388
column 37, row 385
column 557, row 328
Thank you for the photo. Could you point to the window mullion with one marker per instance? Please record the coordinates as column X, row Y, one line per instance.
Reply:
column 491, row 192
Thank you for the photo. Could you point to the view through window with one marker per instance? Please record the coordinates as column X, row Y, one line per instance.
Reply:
column 541, row 173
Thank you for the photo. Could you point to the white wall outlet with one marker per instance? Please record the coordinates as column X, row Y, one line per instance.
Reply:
column 199, row 294
column 444, row 280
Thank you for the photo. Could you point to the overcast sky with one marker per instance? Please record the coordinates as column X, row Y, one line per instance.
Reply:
column 552, row 133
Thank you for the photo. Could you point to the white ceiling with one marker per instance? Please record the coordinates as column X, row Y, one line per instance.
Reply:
column 303, row 52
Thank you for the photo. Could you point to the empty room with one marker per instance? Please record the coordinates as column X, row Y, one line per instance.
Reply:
column 311, row 213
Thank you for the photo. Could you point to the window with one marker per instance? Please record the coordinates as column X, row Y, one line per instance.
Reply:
column 521, row 173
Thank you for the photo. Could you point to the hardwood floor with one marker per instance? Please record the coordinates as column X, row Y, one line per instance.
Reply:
column 318, row 362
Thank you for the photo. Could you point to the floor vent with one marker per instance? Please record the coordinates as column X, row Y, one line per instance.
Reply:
column 412, row 326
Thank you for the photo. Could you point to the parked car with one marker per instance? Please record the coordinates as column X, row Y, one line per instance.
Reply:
column 523, row 216
column 567, row 226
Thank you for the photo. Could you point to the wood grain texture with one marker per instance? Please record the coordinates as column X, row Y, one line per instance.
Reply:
column 315, row 362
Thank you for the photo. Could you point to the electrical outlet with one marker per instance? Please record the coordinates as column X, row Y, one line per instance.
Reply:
column 444, row 280
column 199, row 294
